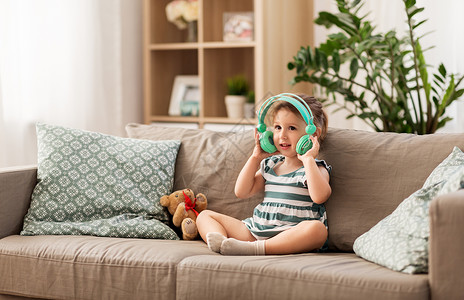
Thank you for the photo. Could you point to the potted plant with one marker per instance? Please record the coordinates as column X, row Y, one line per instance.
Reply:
column 386, row 77
column 237, row 91
column 250, row 105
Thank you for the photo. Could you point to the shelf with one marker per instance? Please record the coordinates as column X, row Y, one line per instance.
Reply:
column 213, row 12
column 173, row 46
column 230, row 121
column 218, row 45
column 208, row 45
column 202, row 121
column 280, row 28
column 225, row 62
column 179, row 119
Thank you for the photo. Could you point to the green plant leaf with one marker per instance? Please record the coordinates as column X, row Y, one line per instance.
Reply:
column 308, row 55
column 413, row 10
column 317, row 58
column 409, row 3
column 237, row 85
column 459, row 93
column 336, row 62
column 442, row 70
column 326, row 19
column 445, row 101
column 443, row 121
column 419, row 24
column 440, row 79
column 354, row 67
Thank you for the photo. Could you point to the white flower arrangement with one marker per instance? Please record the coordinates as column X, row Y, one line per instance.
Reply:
column 181, row 12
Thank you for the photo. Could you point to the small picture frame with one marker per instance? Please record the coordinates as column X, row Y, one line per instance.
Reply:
column 238, row 26
column 185, row 96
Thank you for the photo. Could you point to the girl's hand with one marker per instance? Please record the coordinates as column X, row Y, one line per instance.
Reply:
column 258, row 152
column 311, row 153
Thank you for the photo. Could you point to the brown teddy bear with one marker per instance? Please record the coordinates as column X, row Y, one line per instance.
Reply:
column 184, row 208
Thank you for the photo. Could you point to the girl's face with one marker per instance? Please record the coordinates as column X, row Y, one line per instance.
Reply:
column 288, row 128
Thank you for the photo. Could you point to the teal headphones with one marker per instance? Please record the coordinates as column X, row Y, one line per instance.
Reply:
column 266, row 138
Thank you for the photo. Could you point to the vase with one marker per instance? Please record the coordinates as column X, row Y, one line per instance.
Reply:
column 234, row 106
column 249, row 110
column 192, row 32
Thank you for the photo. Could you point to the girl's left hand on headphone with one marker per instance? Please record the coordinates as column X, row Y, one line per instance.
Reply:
column 313, row 152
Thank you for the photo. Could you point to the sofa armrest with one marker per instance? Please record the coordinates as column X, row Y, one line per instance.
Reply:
column 16, row 187
column 446, row 248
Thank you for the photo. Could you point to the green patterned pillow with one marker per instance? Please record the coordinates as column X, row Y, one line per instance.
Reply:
column 400, row 241
column 95, row 184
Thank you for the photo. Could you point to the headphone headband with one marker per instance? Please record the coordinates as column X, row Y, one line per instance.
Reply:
column 298, row 103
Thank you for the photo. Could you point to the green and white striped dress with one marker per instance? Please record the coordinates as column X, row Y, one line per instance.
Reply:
column 286, row 201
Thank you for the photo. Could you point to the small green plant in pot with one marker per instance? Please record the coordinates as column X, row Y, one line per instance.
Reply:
column 250, row 105
column 237, row 91
column 384, row 77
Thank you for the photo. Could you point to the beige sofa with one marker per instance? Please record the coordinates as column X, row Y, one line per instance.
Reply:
column 372, row 174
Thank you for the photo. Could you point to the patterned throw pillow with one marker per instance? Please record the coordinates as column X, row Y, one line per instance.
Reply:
column 400, row 241
column 95, row 184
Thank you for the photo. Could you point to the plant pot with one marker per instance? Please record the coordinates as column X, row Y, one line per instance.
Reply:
column 249, row 110
column 234, row 106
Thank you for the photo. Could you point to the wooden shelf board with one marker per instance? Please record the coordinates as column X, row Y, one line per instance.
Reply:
column 173, row 46
column 174, row 119
column 212, row 45
column 218, row 120
column 206, row 45
column 224, row 120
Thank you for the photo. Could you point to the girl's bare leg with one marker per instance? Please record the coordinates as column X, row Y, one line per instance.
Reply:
column 304, row 237
column 231, row 237
column 214, row 228
column 229, row 227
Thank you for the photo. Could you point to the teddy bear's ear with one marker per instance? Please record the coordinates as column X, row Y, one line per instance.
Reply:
column 164, row 200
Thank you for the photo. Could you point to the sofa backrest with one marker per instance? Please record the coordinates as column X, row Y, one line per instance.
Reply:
column 372, row 172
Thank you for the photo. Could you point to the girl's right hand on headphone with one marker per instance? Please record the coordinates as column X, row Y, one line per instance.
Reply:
column 258, row 152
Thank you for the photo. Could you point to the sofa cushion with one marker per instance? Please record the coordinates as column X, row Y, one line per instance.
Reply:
column 208, row 162
column 400, row 241
column 306, row 276
column 95, row 184
column 372, row 173
column 87, row 267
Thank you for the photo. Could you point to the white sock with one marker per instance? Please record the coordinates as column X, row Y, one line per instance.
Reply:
column 232, row 246
column 214, row 241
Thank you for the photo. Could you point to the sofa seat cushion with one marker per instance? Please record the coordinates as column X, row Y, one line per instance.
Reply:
column 306, row 276
column 87, row 267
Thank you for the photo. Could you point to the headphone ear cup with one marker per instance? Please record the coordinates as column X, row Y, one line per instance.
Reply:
column 266, row 141
column 304, row 144
column 311, row 129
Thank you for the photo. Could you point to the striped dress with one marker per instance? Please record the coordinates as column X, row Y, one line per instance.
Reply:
column 286, row 201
